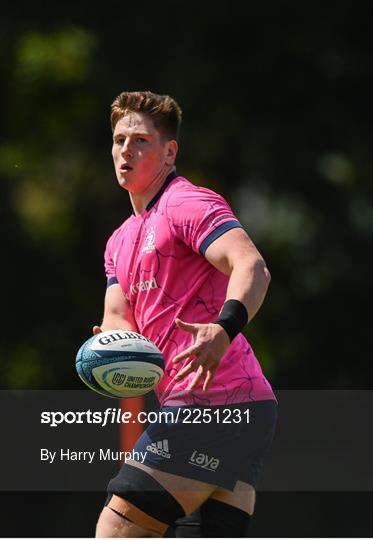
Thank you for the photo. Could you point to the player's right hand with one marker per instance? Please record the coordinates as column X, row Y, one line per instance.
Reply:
column 210, row 343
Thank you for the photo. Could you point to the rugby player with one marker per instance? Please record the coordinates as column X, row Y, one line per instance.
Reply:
column 182, row 271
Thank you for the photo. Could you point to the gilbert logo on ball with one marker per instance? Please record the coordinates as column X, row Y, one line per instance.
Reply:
column 120, row 363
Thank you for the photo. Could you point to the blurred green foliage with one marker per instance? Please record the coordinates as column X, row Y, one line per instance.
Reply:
column 277, row 117
column 63, row 57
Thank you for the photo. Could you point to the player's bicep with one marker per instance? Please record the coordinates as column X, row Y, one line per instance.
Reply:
column 116, row 305
column 115, row 301
column 231, row 248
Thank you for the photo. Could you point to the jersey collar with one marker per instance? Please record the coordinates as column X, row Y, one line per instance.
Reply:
column 166, row 183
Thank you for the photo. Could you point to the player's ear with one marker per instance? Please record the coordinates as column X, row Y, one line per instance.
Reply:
column 171, row 151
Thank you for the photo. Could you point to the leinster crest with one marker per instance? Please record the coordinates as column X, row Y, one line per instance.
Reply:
column 149, row 244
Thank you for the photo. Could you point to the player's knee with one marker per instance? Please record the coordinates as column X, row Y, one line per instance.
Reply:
column 112, row 525
column 222, row 520
column 142, row 501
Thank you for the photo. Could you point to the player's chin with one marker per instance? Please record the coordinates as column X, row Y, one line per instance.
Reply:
column 122, row 180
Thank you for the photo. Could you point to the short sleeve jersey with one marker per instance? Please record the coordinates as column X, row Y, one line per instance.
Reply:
column 158, row 259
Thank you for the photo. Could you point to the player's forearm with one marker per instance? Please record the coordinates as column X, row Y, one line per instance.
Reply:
column 117, row 311
column 248, row 283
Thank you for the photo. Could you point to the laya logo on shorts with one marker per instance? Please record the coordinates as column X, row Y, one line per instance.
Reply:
column 204, row 461
column 160, row 448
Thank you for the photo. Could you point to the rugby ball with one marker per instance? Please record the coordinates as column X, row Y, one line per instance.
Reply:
column 120, row 364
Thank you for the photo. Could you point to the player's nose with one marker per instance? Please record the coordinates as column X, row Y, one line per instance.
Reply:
column 126, row 148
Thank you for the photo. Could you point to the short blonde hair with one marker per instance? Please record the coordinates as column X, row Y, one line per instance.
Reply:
column 162, row 110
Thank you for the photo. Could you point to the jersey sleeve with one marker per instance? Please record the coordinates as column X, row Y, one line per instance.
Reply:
column 110, row 260
column 199, row 216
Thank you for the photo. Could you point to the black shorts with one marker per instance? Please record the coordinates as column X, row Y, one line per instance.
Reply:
column 218, row 445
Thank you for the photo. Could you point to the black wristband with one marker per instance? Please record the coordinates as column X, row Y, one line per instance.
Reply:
column 233, row 317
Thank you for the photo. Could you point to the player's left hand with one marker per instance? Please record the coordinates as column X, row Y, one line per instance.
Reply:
column 210, row 343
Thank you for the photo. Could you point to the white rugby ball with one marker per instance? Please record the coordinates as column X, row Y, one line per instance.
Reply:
column 120, row 364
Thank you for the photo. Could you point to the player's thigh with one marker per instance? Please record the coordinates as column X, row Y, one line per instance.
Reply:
column 242, row 497
column 188, row 492
column 112, row 525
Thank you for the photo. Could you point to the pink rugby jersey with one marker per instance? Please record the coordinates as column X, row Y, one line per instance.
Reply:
column 157, row 257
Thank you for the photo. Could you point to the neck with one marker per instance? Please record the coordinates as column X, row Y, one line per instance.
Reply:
column 141, row 200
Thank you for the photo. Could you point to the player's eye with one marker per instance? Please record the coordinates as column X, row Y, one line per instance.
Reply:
column 140, row 139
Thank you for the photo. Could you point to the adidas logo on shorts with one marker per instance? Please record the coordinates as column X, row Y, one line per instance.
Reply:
column 160, row 448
